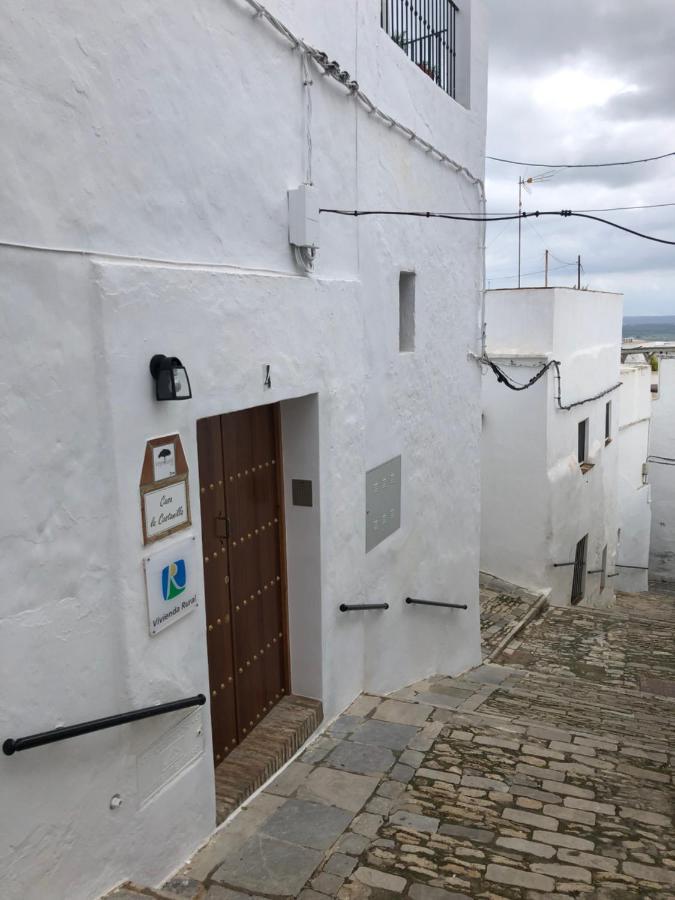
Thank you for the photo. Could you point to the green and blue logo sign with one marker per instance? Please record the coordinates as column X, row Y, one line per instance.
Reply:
column 174, row 579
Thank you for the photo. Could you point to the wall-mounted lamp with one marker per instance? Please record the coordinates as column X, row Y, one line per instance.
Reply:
column 171, row 378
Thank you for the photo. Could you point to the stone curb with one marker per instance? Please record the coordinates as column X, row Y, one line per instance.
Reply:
column 535, row 610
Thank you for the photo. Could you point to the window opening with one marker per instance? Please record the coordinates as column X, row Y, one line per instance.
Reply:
column 426, row 32
column 406, row 312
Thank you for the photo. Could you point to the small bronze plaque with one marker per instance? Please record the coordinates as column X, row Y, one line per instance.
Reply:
column 302, row 492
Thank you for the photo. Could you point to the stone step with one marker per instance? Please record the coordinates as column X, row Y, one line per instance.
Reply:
column 264, row 751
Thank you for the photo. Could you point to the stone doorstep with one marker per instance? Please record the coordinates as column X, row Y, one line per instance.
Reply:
column 264, row 751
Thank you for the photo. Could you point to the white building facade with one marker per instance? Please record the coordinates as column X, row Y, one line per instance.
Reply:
column 549, row 455
column 635, row 400
column 662, row 470
column 149, row 151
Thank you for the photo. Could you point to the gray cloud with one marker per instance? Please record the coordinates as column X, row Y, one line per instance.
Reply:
column 547, row 60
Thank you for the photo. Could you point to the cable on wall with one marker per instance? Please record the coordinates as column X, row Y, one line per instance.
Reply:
column 661, row 460
column 597, row 396
column 304, row 257
column 509, row 382
column 506, row 380
column 307, row 84
column 332, row 69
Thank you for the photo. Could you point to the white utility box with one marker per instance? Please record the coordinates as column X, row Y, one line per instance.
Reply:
column 303, row 216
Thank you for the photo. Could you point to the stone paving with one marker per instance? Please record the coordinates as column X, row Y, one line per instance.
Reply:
column 501, row 606
column 549, row 777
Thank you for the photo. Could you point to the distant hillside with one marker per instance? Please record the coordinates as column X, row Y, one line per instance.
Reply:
column 649, row 328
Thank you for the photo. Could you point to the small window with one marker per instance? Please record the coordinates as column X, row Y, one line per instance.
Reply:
column 608, row 421
column 406, row 312
column 582, row 444
column 603, row 574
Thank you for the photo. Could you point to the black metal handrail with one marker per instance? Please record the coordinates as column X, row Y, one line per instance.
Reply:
column 594, row 571
column 560, row 565
column 436, row 603
column 14, row 745
column 346, row 607
column 643, row 568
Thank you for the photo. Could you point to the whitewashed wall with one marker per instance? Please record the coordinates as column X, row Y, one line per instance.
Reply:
column 634, row 490
column 662, row 477
column 587, row 342
column 531, row 458
column 515, row 517
column 173, row 131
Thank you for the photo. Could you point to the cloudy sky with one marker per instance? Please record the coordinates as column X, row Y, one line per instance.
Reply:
column 584, row 81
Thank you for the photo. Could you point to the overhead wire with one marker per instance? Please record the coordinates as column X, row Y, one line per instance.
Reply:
column 525, row 274
column 606, row 208
column 564, row 213
column 589, row 165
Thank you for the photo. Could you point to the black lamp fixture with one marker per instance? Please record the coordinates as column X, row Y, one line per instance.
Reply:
column 171, row 378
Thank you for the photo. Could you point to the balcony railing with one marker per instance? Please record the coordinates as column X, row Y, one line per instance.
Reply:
column 425, row 30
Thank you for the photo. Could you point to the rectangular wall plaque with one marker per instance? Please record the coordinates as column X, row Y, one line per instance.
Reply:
column 301, row 491
column 170, row 584
column 165, row 509
column 165, row 489
column 383, row 502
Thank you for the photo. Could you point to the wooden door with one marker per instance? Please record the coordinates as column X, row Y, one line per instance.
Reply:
column 244, row 569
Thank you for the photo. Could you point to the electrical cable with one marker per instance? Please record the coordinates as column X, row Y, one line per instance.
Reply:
column 620, row 208
column 661, row 460
column 606, row 208
column 564, row 213
column 307, row 84
column 332, row 69
column 304, row 256
column 505, row 379
column 525, row 274
column 531, row 165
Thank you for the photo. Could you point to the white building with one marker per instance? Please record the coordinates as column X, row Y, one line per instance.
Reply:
column 549, row 455
column 633, row 486
column 662, row 469
column 147, row 154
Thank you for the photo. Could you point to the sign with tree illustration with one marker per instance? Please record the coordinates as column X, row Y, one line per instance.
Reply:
column 164, row 486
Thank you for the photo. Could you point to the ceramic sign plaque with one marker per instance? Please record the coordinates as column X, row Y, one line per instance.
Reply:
column 165, row 489
column 171, row 584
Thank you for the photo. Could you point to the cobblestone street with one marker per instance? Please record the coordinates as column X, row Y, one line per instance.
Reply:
column 548, row 776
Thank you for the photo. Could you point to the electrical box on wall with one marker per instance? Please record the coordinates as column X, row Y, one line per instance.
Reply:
column 303, row 217
column 383, row 502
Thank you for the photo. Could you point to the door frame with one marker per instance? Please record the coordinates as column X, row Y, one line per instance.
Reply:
column 286, row 653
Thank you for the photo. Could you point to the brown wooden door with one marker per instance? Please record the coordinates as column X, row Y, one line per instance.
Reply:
column 244, row 569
